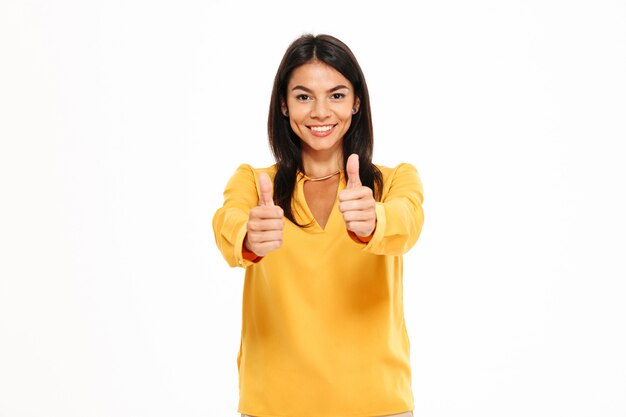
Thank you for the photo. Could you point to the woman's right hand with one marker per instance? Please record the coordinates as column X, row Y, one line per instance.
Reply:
column 265, row 222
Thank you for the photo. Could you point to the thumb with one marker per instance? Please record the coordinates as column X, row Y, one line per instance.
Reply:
column 265, row 184
column 352, row 167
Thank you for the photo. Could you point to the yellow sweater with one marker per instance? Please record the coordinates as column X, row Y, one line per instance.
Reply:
column 323, row 332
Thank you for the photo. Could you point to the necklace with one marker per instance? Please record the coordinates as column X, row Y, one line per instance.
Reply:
column 325, row 177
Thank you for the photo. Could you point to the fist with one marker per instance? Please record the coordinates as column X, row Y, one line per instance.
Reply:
column 356, row 202
column 265, row 222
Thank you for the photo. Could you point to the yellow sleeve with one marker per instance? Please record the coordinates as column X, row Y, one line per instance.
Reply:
column 399, row 216
column 230, row 221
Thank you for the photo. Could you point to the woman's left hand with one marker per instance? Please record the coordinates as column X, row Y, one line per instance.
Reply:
column 357, row 203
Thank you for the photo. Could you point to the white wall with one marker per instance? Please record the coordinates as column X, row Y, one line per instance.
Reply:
column 121, row 121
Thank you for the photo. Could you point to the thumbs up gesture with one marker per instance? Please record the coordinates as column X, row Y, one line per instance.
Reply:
column 356, row 202
column 265, row 222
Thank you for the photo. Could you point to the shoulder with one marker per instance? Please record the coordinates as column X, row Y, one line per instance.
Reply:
column 402, row 168
column 247, row 170
column 243, row 186
column 246, row 177
column 402, row 175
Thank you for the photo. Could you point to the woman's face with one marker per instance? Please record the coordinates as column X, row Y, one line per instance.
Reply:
column 320, row 103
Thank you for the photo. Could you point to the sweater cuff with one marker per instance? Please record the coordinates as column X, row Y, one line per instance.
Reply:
column 243, row 256
column 379, row 233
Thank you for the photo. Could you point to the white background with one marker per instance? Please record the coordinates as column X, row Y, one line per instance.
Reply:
column 121, row 121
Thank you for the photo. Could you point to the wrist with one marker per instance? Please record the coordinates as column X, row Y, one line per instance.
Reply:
column 247, row 253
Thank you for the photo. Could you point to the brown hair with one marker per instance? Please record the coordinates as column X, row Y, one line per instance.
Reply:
column 284, row 142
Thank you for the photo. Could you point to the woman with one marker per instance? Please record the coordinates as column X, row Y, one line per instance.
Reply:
column 321, row 235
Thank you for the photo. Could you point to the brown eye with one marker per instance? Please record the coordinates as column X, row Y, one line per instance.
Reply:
column 303, row 97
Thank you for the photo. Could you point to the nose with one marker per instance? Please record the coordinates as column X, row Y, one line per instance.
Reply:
column 320, row 110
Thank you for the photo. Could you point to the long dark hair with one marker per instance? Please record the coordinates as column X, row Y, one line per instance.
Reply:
column 284, row 142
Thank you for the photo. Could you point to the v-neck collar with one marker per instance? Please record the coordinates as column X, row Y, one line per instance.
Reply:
column 305, row 212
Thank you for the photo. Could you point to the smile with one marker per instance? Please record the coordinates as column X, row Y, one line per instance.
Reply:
column 321, row 131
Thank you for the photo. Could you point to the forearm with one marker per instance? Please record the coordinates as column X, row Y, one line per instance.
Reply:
column 229, row 228
column 398, row 226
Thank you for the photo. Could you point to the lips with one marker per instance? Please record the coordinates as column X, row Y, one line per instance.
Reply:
column 321, row 130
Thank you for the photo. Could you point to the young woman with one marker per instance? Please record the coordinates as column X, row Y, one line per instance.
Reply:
column 321, row 235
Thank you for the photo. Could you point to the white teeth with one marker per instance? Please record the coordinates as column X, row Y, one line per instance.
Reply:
column 321, row 128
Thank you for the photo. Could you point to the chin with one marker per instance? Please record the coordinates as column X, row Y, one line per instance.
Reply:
column 324, row 146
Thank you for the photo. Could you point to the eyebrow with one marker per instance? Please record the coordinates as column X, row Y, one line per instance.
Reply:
column 338, row 87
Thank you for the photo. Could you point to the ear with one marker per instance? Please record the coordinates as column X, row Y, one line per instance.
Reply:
column 357, row 105
column 283, row 109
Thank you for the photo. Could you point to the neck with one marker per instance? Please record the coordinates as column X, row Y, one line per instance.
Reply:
column 320, row 165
